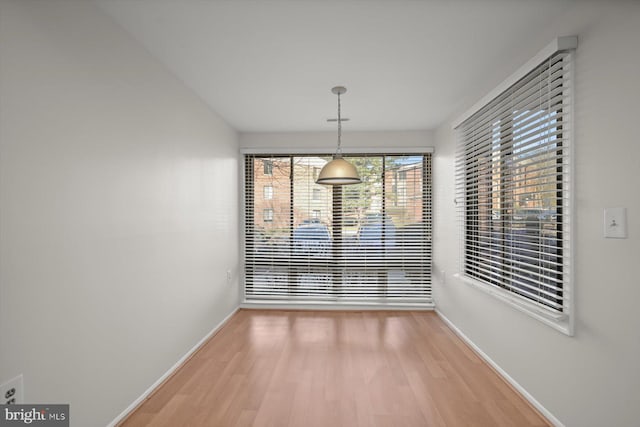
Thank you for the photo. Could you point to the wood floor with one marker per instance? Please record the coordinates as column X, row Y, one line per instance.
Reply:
column 301, row 368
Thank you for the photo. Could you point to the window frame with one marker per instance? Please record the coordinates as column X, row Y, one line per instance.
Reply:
column 286, row 152
column 562, row 321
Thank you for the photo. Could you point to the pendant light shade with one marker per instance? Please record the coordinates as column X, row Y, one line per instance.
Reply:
column 338, row 171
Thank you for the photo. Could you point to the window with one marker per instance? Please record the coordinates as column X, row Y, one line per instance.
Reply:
column 513, row 191
column 268, row 215
column 268, row 192
column 402, row 196
column 268, row 167
column 339, row 244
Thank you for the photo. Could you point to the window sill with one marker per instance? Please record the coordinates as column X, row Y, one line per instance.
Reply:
column 334, row 305
column 558, row 321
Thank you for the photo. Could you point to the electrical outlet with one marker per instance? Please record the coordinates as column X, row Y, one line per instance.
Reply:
column 12, row 391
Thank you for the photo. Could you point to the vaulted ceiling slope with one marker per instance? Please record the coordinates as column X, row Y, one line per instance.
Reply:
column 269, row 65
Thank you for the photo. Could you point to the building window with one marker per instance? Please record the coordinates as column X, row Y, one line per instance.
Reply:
column 268, row 192
column 402, row 175
column 513, row 167
column 343, row 243
column 268, row 167
column 268, row 215
column 402, row 196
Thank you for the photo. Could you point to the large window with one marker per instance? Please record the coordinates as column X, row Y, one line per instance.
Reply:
column 342, row 243
column 513, row 165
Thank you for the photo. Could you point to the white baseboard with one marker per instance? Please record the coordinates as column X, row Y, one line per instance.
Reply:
column 170, row 372
column 333, row 306
column 544, row 411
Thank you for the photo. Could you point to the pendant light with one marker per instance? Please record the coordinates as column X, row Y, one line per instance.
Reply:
column 338, row 171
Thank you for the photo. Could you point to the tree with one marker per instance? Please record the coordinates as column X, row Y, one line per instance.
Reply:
column 360, row 198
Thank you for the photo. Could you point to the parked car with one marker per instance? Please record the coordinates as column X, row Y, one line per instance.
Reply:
column 549, row 215
column 530, row 214
column 312, row 238
column 372, row 233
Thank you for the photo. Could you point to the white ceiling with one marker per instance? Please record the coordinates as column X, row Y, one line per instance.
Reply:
column 270, row 65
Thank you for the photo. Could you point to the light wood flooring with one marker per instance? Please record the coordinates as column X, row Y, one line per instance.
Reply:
column 325, row 369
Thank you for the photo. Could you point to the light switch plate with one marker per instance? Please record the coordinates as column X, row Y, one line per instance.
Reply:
column 615, row 223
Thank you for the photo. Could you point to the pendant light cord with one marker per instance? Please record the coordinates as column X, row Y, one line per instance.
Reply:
column 339, row 152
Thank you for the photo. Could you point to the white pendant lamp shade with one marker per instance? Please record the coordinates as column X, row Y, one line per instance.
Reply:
column 338, row 171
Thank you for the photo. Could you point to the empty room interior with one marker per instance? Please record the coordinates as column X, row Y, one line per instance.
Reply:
column 320, row 213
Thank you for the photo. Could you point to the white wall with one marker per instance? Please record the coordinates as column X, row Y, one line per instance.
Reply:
column 593, row 378
column 329, row 140
column 118, row 222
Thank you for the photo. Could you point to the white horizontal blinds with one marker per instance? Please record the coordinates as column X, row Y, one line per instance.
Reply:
column 367, row 242
column 512, row 181
column 267, row 223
